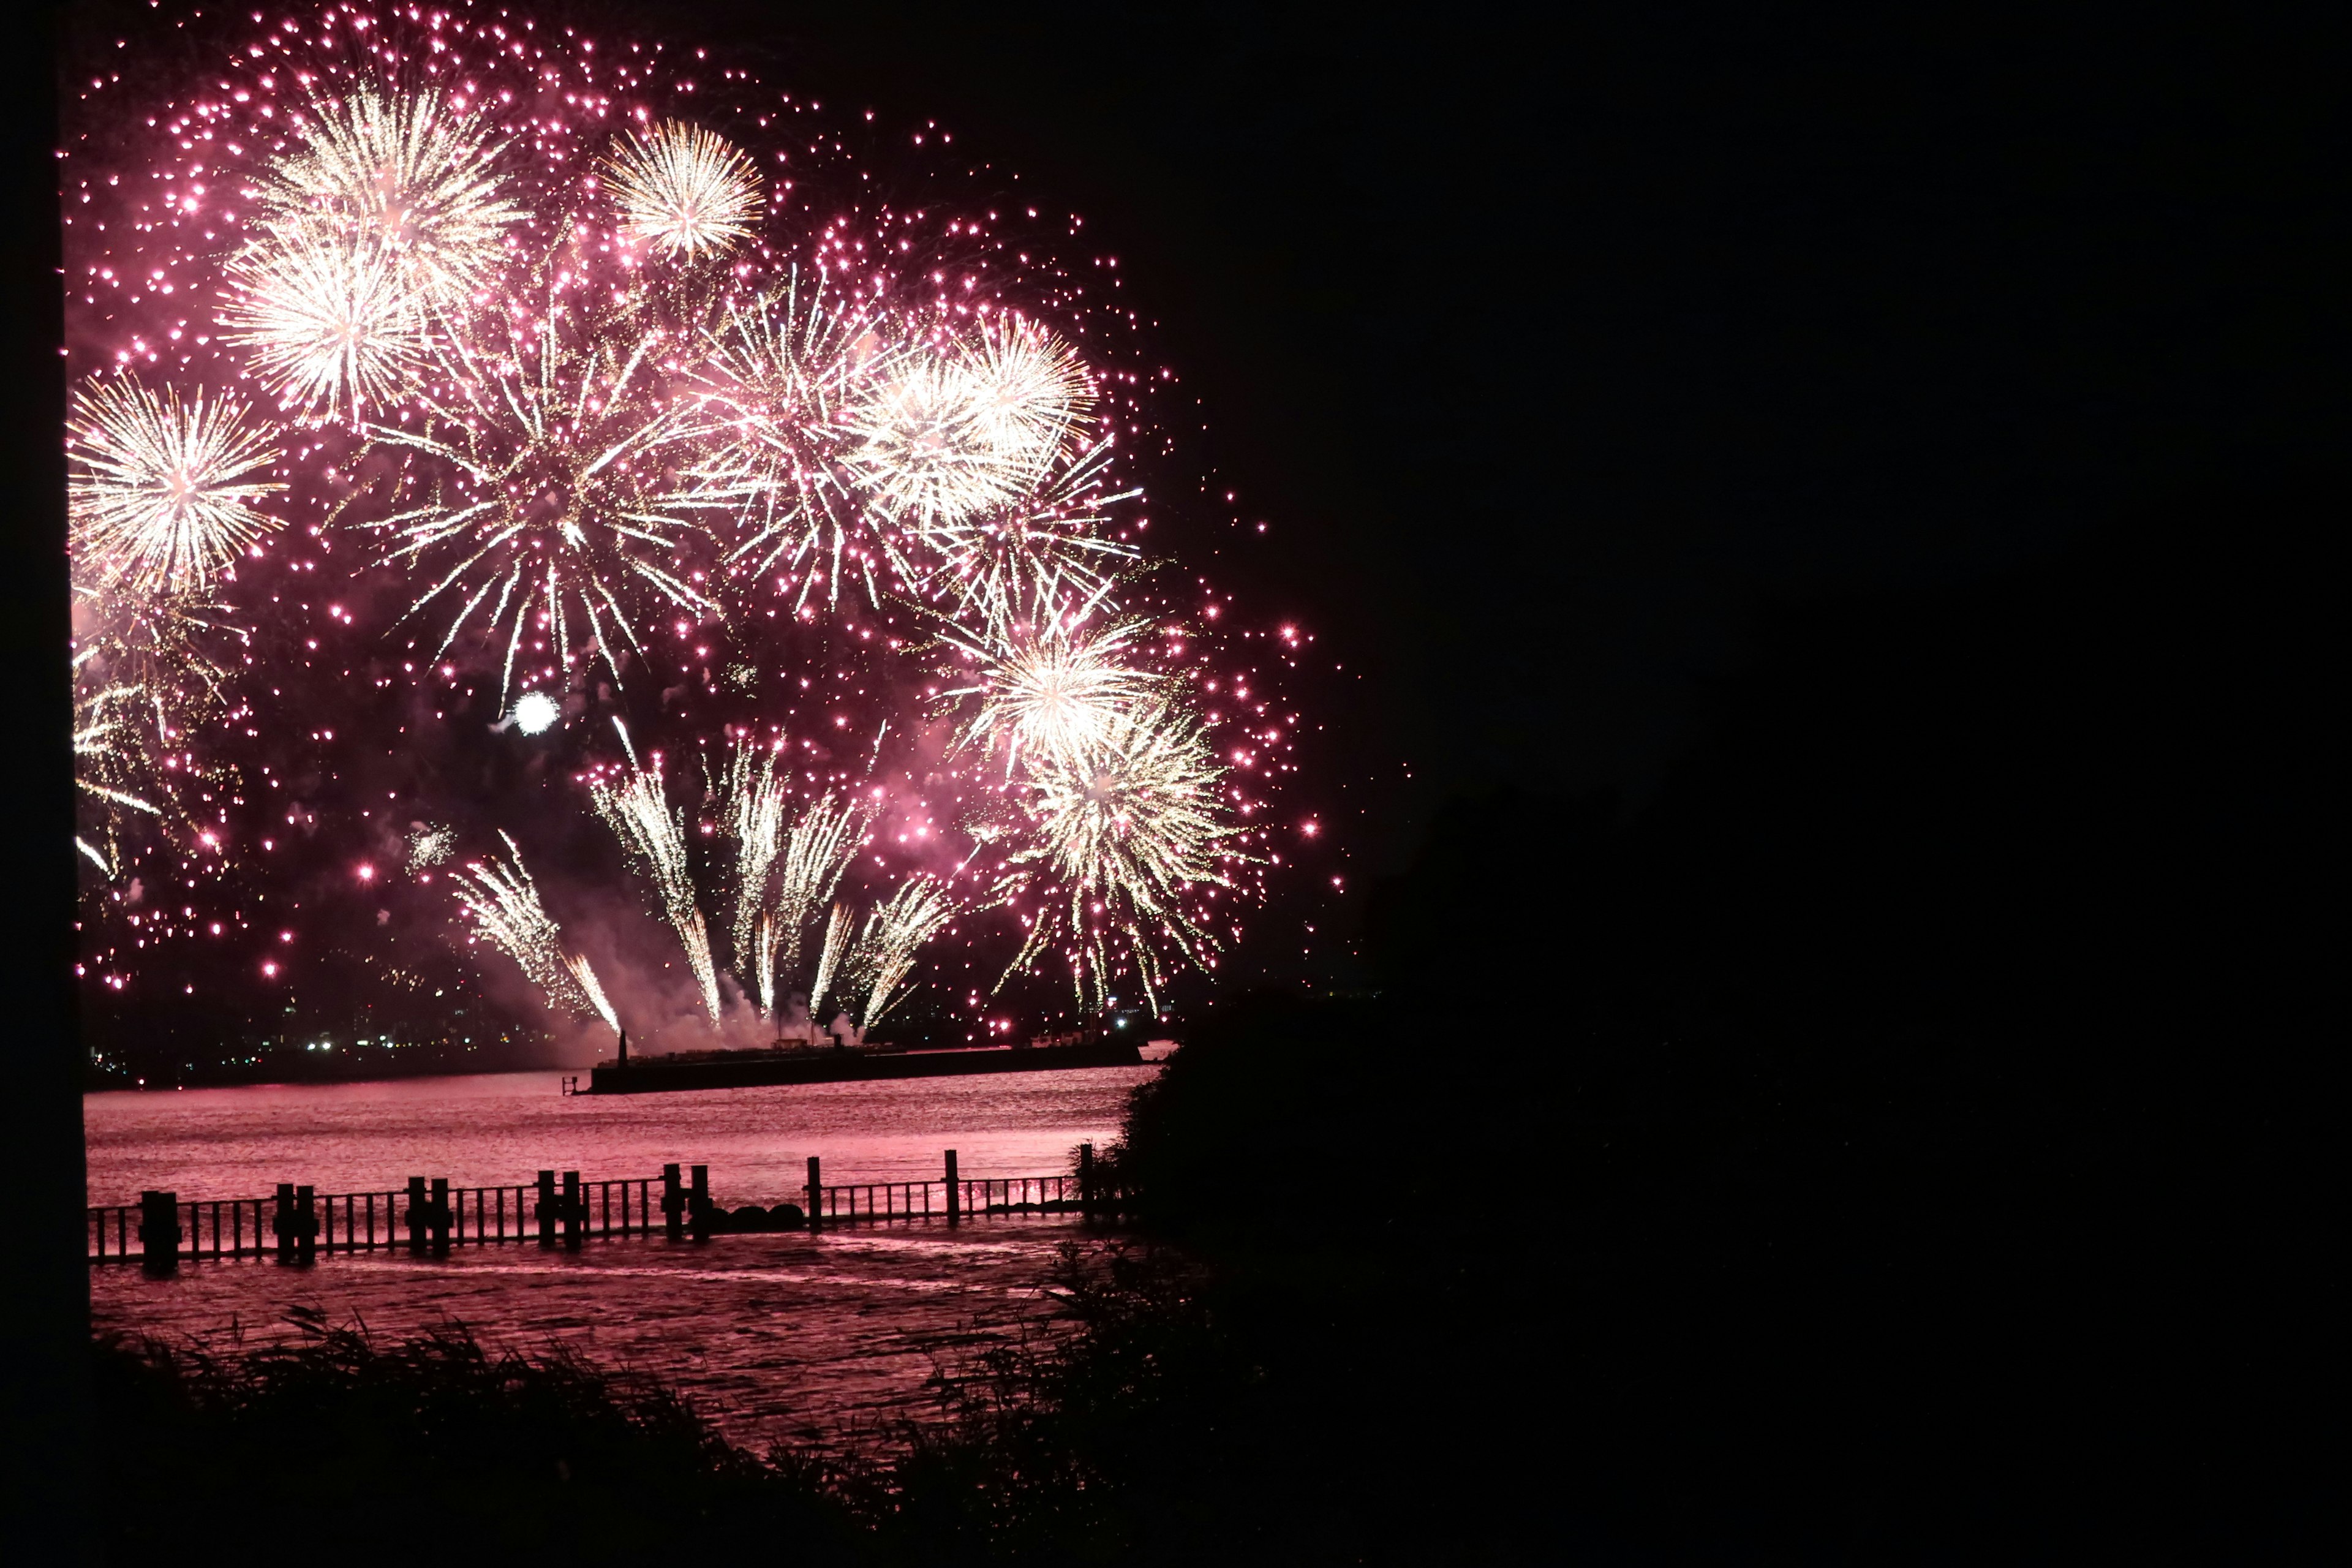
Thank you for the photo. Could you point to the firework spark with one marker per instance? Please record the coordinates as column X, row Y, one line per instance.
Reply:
column 160, row 491
column 401, row 174
column 684, row 191
column 1122, row 832
column 429, row 845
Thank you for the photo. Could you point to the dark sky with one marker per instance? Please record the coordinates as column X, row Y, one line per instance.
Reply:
column 1551, row 347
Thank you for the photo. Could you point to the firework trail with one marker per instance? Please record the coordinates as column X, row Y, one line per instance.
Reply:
column 577, row 966
column 158, row 489
column 895, row 930
column 932, row 446
column 504, row 904
column 1051, row 687
column 1121, row 832
column 404, row 177
column 684, row 192
column 815, row 852
column 557, row 430
column 837, row 931
column 756, row 823
column 107, row 762
column 638, row 810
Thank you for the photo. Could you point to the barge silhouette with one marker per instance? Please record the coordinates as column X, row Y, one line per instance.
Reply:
column 759, row 1069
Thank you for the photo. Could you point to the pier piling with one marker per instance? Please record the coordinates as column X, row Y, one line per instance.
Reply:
column 955, row 1191
column 416, row 1216
column 159, row 1231
column 1086, row 1180
column 439, row 1217
column 547, row 1208
column 673, row 1205
column 575, row 1210
column 815, row 1196
column 306, row 1224
column 699, row 1203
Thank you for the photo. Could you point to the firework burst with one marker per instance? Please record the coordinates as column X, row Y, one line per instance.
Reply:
column 1122, row 832
column 777, row 373
column 683, row 191
column 1050, row 689
column 405, row 175
column 328, row 323
column 554, row 491
column 161, row 492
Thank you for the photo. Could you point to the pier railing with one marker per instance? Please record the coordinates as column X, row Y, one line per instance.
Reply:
column 431, row 1217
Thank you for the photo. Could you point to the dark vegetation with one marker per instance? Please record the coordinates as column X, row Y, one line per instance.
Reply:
column 1885, row 1144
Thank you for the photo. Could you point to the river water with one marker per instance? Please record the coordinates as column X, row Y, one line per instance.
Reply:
column 780, row 1337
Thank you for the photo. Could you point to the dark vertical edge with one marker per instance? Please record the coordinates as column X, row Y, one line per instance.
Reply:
column 48, row 1300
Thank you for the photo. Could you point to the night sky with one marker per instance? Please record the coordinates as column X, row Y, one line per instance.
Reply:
column 1555, row 351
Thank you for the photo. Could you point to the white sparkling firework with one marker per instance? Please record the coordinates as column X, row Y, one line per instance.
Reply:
column 161, row 490
column 895, row 930
column 504, row 905
column 1030, row 388
column 403, row 175
column 683, row 191
column 327, row 322
column 1050, row 692
column 638, row 812
column 562, row 501
column 1121, row 833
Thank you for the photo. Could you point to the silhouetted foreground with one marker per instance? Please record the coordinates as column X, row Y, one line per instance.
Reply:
column 1892, row 1142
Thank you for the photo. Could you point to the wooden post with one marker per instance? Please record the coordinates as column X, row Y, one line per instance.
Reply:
column 415, row 1216
column 673, row 1205
column 1086, row 1180
column 547, row 1208
column 306, row 1226
column 697, row 1203
column 575, row 1209
column 439, row 1216
column 159, row 1231
column 955, row 1192
column 815, row 1196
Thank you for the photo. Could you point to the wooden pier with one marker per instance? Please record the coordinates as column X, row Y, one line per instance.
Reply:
column 428, row 1217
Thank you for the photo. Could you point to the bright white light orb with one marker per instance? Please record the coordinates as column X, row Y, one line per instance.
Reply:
column 535, row 712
